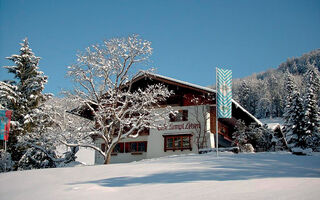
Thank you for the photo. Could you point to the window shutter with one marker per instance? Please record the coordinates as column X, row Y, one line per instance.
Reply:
column 127, row 146
column 121, row 147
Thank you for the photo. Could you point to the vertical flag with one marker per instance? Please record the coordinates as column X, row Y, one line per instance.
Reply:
column 5, row 117
column 224, row 93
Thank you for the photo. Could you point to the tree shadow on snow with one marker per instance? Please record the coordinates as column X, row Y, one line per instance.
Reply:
column 241, row 169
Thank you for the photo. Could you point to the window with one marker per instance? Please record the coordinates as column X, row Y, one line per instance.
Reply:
column 136, row 146
column 181, row 115
column 177, row 142
column 127, row 147
column 119, row 148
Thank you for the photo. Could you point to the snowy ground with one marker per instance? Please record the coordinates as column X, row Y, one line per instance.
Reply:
column 231, row 176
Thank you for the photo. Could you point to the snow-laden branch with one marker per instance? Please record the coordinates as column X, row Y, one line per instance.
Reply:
column 104, row 78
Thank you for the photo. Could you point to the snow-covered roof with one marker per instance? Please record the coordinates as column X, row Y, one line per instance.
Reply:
column 244, row 110
column 210, row 90
column 143, row 73
column 273, row 123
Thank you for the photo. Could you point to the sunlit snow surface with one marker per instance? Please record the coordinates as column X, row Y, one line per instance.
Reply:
column 230, row 176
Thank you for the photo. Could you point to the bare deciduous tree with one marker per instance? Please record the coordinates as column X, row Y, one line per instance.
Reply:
column 104, row 80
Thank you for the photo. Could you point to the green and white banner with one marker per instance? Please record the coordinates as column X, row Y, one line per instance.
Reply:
column 224, row 93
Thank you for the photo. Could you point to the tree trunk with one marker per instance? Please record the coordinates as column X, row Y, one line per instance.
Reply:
column 108, row 154
column 107, row 159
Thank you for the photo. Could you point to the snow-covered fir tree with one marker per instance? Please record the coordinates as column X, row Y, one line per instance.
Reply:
column 267, row 88
column 297, row 119
column 290, row 87
column 311, row 121
column 8, row 94
column 244, row 93
column 293, row 113
column 275, row 97
column 23, row 95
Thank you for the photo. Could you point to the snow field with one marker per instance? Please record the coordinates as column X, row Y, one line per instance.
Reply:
column 230, row 176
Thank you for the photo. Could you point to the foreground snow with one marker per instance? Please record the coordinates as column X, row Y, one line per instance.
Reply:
column 231, row 176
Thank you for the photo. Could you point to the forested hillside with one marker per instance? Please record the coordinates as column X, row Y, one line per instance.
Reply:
column 263, row 94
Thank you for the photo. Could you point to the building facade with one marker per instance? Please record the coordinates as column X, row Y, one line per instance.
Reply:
column 191, row 129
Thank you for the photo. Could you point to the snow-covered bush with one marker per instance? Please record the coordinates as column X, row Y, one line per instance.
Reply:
column 34, row 158
column 6, row 164
column 248, row 148
column 54, row 125
column 262, row 138
column 243, row 137
column 259, row 137
column 239, row 137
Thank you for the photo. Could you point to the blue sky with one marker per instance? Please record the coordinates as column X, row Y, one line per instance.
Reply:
column 190, row 38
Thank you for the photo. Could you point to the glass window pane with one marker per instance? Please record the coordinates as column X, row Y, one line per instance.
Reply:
column 117, row 148
column 177, row 142
column 141, row 146
column 169, row 142
column 185, row 142
column 133, row 146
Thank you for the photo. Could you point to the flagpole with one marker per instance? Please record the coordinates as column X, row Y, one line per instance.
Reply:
column 217, row 129
column 5, row 155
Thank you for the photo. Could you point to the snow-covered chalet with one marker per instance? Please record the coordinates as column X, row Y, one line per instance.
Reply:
column 191, row 129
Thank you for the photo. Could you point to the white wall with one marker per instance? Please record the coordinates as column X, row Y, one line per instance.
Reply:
column 155, row 139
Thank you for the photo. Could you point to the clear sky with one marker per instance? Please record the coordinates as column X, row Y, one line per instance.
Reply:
column 190, row 38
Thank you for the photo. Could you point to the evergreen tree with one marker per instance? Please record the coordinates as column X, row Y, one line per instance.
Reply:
column 244, row 94
column 249, row 95
column 275, row 96
column 239, row 137
column 23, row 96
column 290, row 87
column 293, row 113
column 311, row 121
column 260, row 137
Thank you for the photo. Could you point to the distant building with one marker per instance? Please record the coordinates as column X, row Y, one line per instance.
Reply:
column 191, row 129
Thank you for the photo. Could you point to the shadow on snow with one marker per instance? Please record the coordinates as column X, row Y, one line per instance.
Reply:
column 226, row 169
